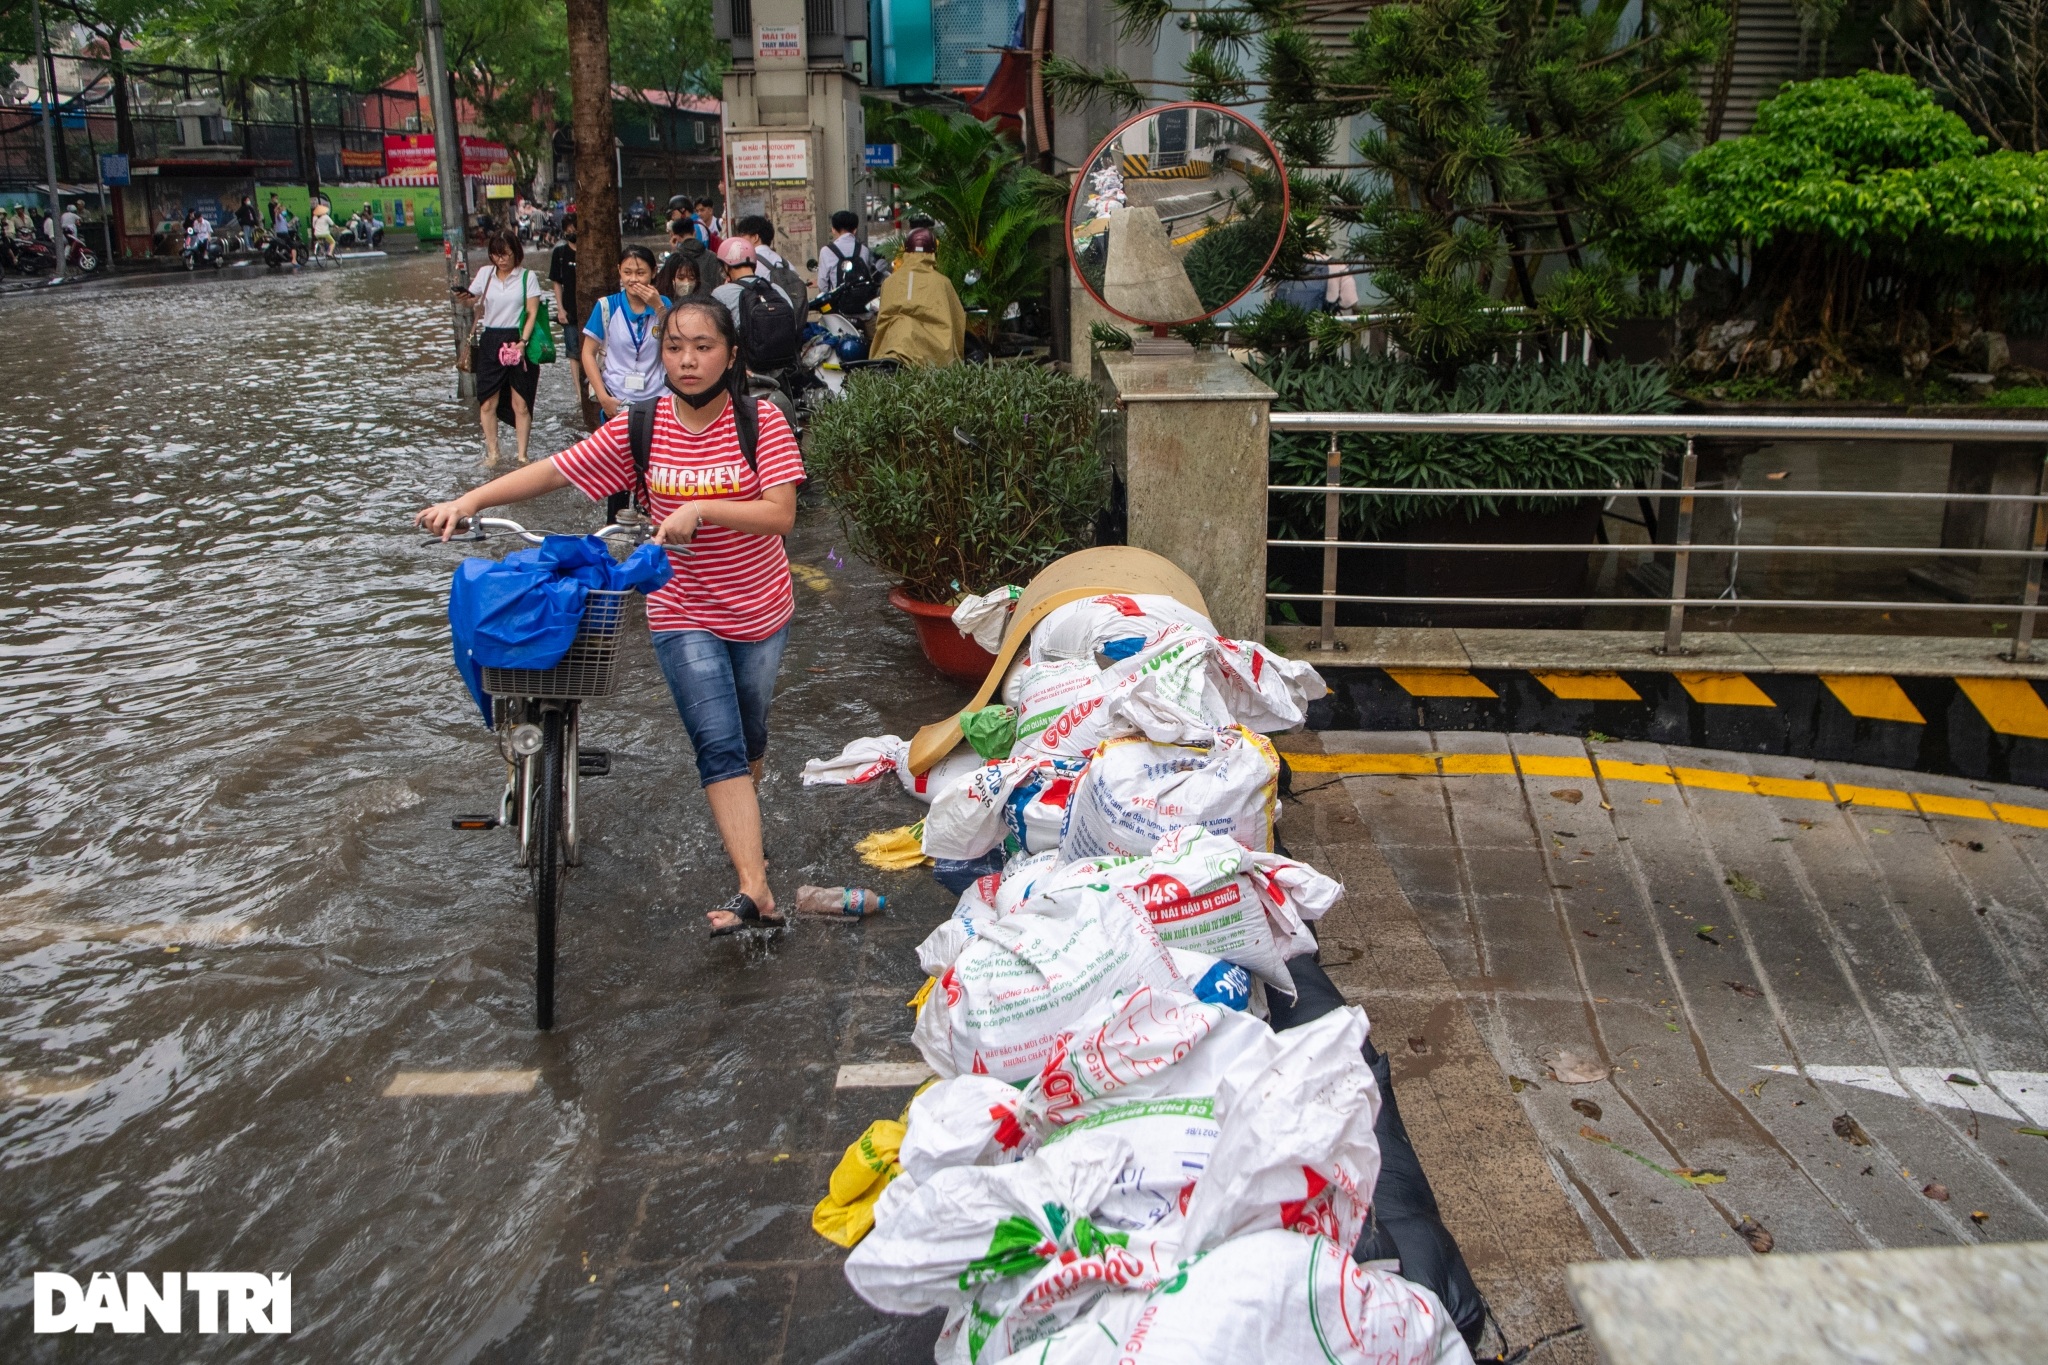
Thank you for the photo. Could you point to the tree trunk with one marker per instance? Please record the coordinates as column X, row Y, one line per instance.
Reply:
column 307, row 151
column 124, row 116
column 1724, row 73
column 597, row 197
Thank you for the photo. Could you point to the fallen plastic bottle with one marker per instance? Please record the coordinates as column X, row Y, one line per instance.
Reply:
column 839, row 902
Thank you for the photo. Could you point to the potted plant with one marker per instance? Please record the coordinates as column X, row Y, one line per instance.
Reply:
column 1318, row 381
column 959, row 480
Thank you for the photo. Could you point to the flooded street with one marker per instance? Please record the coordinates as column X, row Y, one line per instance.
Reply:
column 232, row 908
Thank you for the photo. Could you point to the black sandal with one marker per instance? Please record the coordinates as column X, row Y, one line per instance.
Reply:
column 747, row 916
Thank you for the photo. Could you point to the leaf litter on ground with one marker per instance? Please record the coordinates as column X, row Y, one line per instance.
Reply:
column 1575, row 1068
column 1687, row 1175
column 1744, row 887
column 1757, row 1235
column 1850, row 1131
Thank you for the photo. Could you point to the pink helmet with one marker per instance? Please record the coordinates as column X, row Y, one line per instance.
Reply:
column 736, row 251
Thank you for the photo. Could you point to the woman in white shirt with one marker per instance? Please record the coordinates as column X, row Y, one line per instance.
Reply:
column 507, row 302
column 623, row 357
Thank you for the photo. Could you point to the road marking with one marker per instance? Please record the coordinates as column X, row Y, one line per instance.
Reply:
column 1723, row 689
column 411, row 1083
column 2010, row 706
column 1439, row 682
column 882, row 1075
column 1660, row 775
column 2028, row 1090
column 1873, row 696
column 1588, row 686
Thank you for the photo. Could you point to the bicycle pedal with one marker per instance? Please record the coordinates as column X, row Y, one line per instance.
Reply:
column 593, row 763
column 474, row 822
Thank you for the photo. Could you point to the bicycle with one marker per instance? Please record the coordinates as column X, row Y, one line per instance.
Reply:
column 537, row 717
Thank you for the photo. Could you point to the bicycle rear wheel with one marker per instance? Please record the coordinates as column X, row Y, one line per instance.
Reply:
column 546, row 859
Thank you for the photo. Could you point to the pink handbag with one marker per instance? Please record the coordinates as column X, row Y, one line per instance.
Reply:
column 511, row 354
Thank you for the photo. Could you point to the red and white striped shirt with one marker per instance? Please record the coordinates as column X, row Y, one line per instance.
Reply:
column 731, row 583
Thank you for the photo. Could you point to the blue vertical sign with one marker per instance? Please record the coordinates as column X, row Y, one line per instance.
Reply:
column 113, row 168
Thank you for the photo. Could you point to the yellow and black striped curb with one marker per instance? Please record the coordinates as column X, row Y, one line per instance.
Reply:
column 1667, row 775
column 1991, row 729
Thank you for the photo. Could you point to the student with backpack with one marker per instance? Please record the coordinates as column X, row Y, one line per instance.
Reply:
column 718, row 472
column 769, row 263
column 847, row 265
column 770, row 331
column 623, row 354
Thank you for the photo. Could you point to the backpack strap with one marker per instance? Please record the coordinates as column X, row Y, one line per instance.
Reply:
column 640, row 438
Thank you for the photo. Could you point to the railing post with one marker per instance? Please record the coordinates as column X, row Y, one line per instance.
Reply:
column 1681, row 557
column 2030, row 595
column 1333, row 475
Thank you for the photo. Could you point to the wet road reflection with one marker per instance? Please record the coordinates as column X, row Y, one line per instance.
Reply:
column 231, row 908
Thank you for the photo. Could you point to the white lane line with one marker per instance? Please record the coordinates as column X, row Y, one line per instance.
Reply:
column 408, row 1083
column 2027, row 1089
column 882, row 1075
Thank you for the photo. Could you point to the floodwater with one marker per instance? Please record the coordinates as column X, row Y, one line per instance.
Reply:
column 232, row 908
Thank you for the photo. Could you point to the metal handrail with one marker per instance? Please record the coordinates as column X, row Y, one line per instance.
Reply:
column 1665, row 424
column 1681, row 547
column 1652, row 548
column 1567, row 493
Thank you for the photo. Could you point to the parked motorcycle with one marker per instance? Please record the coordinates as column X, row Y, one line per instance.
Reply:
column 363, row 232
column 203, row 251
column 281, row 249
column 636, row 218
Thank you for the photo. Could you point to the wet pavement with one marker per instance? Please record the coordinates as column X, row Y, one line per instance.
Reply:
column 1719, row 987
column 232, row 910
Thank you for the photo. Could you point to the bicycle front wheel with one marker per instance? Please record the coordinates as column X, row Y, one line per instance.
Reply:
column 545, row 849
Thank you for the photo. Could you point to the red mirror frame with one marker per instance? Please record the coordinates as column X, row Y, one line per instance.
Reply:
column 1080, row 180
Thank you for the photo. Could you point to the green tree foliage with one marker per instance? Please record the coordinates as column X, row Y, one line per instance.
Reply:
column 1849, row 212
column 666, row 46
column 1514, row 141
column 510, row 60
column 988, row 204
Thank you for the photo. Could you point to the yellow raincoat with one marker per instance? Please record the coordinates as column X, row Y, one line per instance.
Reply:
column 921, row 321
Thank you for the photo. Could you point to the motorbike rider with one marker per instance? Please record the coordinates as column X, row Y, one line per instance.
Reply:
column 198, row 233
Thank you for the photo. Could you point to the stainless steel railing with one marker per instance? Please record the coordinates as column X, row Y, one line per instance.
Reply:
column 1686, row 493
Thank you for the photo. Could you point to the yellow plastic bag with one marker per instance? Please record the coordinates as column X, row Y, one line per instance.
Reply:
column 893, row 850
column 847, row 1211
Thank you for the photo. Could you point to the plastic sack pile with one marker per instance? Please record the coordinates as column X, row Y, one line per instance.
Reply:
column 1121, row 1160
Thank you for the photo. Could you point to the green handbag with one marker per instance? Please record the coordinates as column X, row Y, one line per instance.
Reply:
column 540, row 347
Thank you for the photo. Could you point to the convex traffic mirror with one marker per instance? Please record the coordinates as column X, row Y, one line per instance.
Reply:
column 1177, row 214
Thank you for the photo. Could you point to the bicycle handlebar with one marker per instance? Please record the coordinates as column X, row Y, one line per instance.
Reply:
column 480, row 528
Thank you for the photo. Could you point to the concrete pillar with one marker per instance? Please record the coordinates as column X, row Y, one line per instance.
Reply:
column 1194, row 462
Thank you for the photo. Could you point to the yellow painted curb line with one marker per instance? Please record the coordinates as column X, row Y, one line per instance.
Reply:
column 1661, row 775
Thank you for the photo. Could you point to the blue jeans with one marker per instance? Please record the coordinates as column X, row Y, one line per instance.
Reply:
column 723, row 689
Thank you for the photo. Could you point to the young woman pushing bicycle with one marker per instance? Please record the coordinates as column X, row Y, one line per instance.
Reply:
column 720, row 625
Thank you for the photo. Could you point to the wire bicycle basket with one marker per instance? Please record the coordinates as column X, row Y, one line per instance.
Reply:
column 588, row 670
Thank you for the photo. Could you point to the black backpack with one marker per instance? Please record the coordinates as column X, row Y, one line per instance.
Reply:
column 768, row 327
column 746, row 419
column 857, row 282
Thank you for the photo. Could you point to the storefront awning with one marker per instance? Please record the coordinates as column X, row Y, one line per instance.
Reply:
column 426, row 180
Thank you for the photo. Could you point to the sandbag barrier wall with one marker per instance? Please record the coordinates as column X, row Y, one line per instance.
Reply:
column 1988, row 729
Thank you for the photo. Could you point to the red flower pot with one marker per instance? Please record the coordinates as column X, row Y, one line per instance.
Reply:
column 953, row 654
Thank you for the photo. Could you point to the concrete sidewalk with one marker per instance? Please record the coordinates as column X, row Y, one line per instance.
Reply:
column 1775, row 1014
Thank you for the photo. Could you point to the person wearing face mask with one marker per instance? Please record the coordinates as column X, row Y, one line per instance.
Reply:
column 720, row 477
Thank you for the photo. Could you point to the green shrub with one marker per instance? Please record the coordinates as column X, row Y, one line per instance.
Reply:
column 948, row 516
column 1322, row 383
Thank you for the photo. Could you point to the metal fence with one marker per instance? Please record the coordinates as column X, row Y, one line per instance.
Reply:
column 260, row 120
column 1686, row 492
